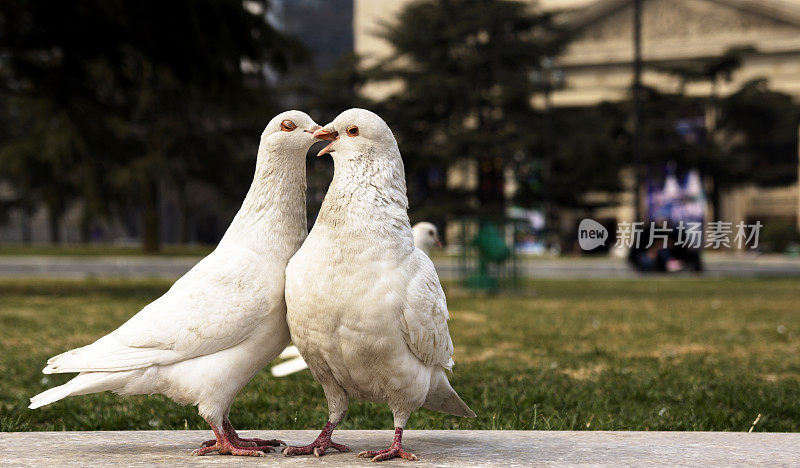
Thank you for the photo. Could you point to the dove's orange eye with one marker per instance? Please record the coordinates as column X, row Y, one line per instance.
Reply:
column 288, row 126
column 352, row 131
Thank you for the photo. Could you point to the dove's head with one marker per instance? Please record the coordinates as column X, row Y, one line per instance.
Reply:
column 356, row 132
column 290, row 130
column 426, row 236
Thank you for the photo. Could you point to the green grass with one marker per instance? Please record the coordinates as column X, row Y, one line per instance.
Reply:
column 94, row 250
column 678, row 354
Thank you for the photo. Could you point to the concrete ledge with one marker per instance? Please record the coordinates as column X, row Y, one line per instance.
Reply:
column 434, row 448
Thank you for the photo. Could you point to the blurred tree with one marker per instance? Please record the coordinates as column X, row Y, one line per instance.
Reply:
column 590, row 147
column 147, row 94
column 336, row 89
column 704, row 152
column 749, row 136
column 41, row 168
column 664, row 139
column 710, row 69
column 324, row 95
column 460, row 90
column 758, row 135
column 675, row 136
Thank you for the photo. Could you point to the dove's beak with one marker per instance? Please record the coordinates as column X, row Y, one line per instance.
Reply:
column 313, row 129
column 325, row 134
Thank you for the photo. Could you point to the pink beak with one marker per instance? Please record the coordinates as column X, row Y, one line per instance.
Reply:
column 325, row 134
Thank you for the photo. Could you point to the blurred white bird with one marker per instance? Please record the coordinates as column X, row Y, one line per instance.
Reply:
column 294, row 364
column 425, row 237
column 364, row 306
column 225, row 319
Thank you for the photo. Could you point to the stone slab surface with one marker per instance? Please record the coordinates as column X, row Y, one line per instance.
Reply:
column 434, row 448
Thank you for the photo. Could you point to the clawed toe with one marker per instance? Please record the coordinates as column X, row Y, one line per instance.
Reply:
column 319, row 446
column 340, row 447
column 254, row 451
column 380, row 455
column 318, row 449
column 291, row 450
column 248, row 451
column 208, row 443
column 270, row 442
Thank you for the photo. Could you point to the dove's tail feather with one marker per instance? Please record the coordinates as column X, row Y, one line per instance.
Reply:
column 441, row 397
column 107, row 354
column 82, row 384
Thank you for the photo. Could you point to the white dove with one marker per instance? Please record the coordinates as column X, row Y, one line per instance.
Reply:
column 426, row 236
column 364, row 306
column 225, row 319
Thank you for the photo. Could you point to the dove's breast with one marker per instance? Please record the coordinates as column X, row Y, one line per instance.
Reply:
column 344, row 308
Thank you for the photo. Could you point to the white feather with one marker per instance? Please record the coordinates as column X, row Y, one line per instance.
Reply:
column 426, row 236
column 225, row 319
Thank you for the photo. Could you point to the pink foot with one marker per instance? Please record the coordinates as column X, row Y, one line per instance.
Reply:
column 256, row 442
column 247, row 442
column 319, row 446
column 225, row 445
column 394, row 451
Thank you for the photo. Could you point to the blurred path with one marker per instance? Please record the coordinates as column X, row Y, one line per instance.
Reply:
column 610, row 267
column 434, row 448
column 100, row 266
column 172, row 267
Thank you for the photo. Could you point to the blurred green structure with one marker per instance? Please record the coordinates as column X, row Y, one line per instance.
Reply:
column 487, row 259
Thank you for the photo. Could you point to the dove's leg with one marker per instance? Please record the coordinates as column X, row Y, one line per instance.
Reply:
column 225, row 446
column 396, row 449
column 337, row 408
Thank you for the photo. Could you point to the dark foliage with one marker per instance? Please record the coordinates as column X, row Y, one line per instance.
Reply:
column 111, row 100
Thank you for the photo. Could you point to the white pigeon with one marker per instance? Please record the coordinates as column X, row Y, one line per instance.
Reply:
column 364, row 306
column 225, row 319
column 426, row 236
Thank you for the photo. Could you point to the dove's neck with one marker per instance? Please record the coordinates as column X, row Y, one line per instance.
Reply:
column 272, row 219
column 367, row 198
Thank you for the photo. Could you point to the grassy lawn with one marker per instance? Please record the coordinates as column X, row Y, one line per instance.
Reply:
column 677, row 354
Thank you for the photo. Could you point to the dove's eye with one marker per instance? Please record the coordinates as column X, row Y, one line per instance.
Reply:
column 352, row 131
column 288, row 126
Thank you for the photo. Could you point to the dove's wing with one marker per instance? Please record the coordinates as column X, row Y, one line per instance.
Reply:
column 424, row 318
column 212, row 308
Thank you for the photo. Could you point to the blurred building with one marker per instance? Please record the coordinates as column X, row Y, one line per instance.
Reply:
column 596, row 66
